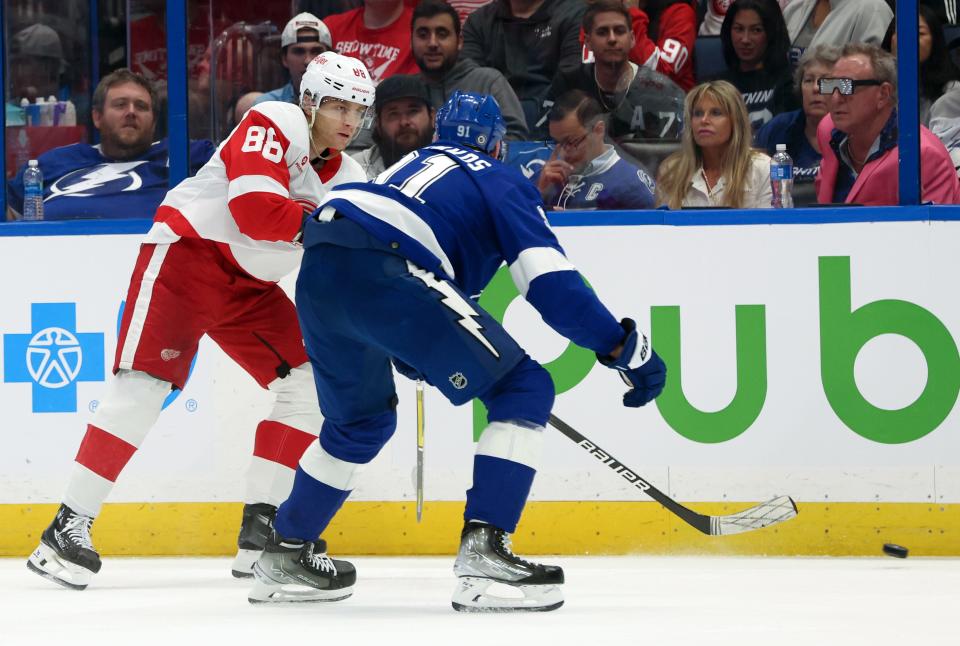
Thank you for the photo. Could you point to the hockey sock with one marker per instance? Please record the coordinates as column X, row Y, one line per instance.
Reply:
column 126, row 414
column 499, row 492
column 276, row 453
column 309, row 509
column 320, row 487
column 503, row 471
column 282, row 438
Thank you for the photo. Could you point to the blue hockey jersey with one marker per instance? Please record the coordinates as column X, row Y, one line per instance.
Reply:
column 79, row 182
column 608, row 182
column 461, row 214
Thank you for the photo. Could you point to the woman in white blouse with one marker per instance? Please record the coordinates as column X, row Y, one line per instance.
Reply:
column 715, row 165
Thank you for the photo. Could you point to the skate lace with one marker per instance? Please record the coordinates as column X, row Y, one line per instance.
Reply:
column 507, row 547
column 77, row 530
column 320, row 561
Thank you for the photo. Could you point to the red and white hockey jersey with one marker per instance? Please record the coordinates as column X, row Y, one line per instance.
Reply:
column 252, row 194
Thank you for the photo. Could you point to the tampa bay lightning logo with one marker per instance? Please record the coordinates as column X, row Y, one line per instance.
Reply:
column 102, row 179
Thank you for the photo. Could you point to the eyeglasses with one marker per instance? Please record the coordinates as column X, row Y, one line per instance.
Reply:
column 846, row 86
column 573, row 143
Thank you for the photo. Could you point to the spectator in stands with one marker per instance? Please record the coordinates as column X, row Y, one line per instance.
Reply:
column 125, row 175
column 35, row 66
column 466, row 7
column 947, row 11
column 640, row 102
column 754, row 39
column 714, row 13
column 324, row 8
column 716, row 10
column 436, row 42
column 665, row 33
column 303, row 39
column 378, row 33
column 938, row 74
column 945, row 124
column 715, row 166
column 403, row 123
column 834, row 22
column 859, row 136
column 529, row 41
column 244, row 103
column 584, row 172
column 798, row 129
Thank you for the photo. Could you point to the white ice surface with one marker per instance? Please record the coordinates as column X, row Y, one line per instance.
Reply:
column 623, row 600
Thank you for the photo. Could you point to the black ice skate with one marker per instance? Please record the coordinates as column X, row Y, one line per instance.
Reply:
column 485, row 559
column 65, row 554
column 298, row 571
column 254, row 531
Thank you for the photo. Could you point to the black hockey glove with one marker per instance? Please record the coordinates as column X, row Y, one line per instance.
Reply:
column 639, row 367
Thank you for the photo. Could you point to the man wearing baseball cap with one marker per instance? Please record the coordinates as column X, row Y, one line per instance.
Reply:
column 304, row 38
column 404, row 123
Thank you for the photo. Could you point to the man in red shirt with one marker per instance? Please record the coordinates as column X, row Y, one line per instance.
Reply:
column 378, row 33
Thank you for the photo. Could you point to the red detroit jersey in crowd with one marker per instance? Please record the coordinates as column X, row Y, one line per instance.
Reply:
column 385, row 51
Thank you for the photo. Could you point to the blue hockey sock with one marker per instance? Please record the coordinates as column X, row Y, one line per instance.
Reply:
column 309, row 509
column 499, row 492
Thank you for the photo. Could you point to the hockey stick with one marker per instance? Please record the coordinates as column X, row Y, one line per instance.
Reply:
column 420, row 425
column 763, row 515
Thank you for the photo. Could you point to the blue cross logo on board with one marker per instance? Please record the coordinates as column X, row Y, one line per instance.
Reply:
column 53, row 357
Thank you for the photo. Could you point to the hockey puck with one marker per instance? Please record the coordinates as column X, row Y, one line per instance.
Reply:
column 896, row 551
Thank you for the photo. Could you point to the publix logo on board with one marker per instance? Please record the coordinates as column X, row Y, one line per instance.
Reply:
column 843, row 333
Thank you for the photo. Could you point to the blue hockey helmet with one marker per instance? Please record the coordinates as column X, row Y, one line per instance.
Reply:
column 471, row 119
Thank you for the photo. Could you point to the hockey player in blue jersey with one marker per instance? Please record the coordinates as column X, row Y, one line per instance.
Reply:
column 388, row 273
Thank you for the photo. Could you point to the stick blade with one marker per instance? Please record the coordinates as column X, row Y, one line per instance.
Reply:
column 775, row 510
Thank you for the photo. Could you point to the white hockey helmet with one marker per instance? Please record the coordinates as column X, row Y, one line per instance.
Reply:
column 335, row 76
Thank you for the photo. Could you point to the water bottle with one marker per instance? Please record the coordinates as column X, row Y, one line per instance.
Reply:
column 32, row 192
column 781, row 179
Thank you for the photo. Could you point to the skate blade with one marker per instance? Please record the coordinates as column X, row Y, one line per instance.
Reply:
column 271, row 592
column 242, row 567
column 45, row 562
column 472, row 595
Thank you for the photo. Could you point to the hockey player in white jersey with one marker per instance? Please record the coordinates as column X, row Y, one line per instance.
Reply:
column 209, row 265
column 387, row 273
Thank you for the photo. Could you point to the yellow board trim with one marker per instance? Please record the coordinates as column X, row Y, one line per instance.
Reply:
column 390, row 528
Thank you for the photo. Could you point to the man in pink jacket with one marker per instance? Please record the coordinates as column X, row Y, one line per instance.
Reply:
column 859, row 136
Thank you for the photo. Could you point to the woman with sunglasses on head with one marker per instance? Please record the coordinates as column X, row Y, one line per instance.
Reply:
column 754, row 39
column 798, row 129
column 715, row 165
column 938, row 74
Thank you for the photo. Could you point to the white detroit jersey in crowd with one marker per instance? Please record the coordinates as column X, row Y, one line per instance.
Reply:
column 241, row 197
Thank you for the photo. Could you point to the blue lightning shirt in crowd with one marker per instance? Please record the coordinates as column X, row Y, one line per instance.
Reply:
column 79, row 182
column 461, row 214
column 607, row 182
